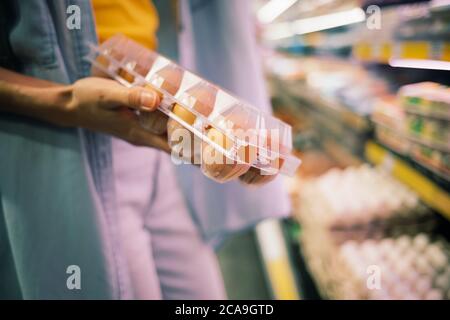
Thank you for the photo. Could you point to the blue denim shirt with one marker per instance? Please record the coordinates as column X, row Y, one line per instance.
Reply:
column 56, row 203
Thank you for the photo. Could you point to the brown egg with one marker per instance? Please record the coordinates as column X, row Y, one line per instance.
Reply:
column 117, row 53
column 113, row 48
column 156, row 121
column 102, row 60
column 184, row 114
column 172, row 76
column 229, row 170
column 215, row 164
column 256, row 176
column 144, row 63
column 205, row 98
column 125, row 74
column 128, row 66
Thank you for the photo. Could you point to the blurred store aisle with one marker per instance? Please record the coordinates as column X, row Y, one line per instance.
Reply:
column 242, row 268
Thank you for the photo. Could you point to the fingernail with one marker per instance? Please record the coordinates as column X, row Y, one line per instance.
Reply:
column 149, row 99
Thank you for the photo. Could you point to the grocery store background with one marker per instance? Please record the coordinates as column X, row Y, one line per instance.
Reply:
column 364, row 86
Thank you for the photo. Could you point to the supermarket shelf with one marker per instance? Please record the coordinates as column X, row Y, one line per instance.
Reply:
column 343, row 114
column 301, row 91
column 419, row 140
column 430, row 193
column 433, row 115
column 422, row 163
column 340, row 154
column 383, row 52
column 383, row 4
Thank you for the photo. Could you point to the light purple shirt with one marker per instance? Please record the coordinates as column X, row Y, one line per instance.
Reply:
column 219, row 42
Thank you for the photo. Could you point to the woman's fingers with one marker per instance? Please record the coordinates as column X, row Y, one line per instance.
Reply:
column 139, row 97
column 156, row 121
column 104, row 105
column 114, row 95
column 126, row 126
column 142, row 137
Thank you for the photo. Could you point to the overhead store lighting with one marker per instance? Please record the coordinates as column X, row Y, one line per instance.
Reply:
column 319, row 23
column 329, row 21
column 420, row 64
column 279, row 31
column 273, row 9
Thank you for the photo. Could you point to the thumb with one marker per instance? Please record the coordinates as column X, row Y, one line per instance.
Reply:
column 135, row 98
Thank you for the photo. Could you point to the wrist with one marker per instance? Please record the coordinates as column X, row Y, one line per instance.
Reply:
column 53, row 104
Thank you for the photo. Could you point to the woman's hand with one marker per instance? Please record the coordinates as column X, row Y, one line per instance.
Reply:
column 106, row 106
column 97, row 104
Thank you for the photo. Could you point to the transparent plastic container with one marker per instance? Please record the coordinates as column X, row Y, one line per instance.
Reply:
column 205, row 125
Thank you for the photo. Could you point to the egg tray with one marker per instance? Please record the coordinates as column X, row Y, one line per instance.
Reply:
column 247, row 132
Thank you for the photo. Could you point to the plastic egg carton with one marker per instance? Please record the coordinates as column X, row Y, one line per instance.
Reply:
column 206, row 125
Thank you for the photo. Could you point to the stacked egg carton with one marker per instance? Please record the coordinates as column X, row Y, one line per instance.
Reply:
column 412, row 268
column 362, row 202
column 360, row 217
